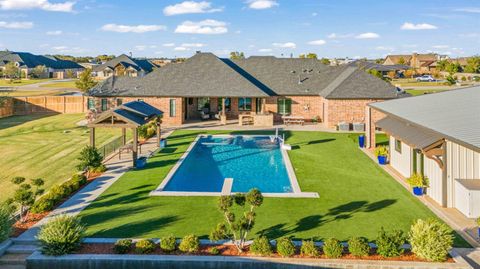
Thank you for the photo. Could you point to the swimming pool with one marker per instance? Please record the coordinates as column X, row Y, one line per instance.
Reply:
column 251, row 161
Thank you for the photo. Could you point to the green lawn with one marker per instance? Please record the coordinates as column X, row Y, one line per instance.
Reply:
column 21, row 93
column 421, row 92
column 61, row 84
column 356, row 197
column 42, row 146
column 15, row 83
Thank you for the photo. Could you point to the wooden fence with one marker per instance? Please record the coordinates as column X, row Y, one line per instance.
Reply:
column 44, row 104
column 6, row 108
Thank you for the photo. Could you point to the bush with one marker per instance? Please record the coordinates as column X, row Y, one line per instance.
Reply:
column 381, row 151
column 190, row 244
column 418, row 180
column 144, row 246
column 80, row 179
column 431, row 239
column 168, row 243
column 285, row 247
column 214, row 251
column 309, row 249
column 122, row 246
column 99, row 169
column 61, row 235
column 390, row 244
column 89, row 158
column 332, row 248
column 358, row 247
column 261, row 246
column 6, row 222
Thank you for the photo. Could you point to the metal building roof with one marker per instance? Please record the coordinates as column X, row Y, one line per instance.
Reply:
column 455, row 114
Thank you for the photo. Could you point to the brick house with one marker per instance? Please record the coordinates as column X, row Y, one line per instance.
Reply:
column 256, row 85
column 423, row 63
column 124, row 65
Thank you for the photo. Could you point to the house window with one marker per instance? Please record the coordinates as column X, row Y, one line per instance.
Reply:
column 245, row 104
column 140, row 100
column 91, row 103
column 104, row 104
column 228, row 104
column 190, row 101
column 119, row 101
column 284, row 106
column 173, row 108
column 203, row 102
column 398, row 146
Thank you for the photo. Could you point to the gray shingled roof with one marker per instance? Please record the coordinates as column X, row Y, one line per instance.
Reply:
column 137, row 64
column 204, row 74
column 28, row 60
column 455, row 114
column 135, row 112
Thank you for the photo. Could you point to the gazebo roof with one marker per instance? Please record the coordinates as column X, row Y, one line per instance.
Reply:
column 131, row 114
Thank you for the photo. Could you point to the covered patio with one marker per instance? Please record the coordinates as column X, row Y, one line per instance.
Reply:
column 130, row 115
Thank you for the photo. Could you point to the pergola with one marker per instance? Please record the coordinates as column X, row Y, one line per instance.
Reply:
column 130, row 115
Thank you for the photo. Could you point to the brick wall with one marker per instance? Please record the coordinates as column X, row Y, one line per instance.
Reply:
column 306, row 106
column 346, row 110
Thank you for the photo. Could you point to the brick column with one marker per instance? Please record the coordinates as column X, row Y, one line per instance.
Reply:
column 369, row 128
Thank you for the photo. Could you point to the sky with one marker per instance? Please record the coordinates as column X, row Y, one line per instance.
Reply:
column 176, row 28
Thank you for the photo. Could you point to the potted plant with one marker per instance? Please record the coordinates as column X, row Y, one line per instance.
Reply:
column 418, row 182
column 381, row 153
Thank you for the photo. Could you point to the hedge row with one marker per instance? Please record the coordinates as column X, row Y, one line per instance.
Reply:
column 189, row 244
column 59, row 192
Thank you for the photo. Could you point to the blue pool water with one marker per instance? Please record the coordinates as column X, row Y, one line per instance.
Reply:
column 252, row 162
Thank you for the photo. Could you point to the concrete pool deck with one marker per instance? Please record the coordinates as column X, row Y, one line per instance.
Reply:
column 228, row 182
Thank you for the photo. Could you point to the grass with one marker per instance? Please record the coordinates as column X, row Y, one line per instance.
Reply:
column 62, row 84
column 31, row 93
column 421, row 92
column 356, row 197
column 41, row 146
column 15, row 83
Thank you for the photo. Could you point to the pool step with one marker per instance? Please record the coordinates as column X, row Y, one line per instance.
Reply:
column 227, row 186
column 13, row 259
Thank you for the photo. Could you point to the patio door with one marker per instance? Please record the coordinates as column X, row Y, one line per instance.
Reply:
column 258, row 105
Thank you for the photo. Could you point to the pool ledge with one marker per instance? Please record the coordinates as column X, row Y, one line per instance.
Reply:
column 297, row 193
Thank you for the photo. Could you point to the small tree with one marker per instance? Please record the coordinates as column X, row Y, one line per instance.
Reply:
column 431, row 239
column 409, row 73
column 11, row 71
column 24, row 196
column 6, row 222
column 325, row 61
column 89, row 159
column 235, row 228
column 235, row 55
column 85, row 81
column 39, row 71
column 401, row 60
column 375, row 73
column 69, row 73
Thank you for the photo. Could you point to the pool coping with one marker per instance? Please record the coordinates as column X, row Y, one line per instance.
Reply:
column 297, row 192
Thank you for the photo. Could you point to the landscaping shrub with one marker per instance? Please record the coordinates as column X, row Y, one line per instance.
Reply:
column 285, row 247
column 431, row 240
column 144, row 246
column 90, row 158
column 418, row 180
column 98, row 170
column 6, row 222
column 381, row 151
column 332, row 248
column 168, row 243
column 190, row 244
column 358, row 247
column 309, row 249
column 390, row 244
column 261, row 246
column 80, row 179
column 122, row 246
column 214, row 251
column 61, row 235
column 25, row 195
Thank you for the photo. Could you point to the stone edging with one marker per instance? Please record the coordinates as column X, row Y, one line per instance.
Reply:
column 74, row 261
column 4, row 245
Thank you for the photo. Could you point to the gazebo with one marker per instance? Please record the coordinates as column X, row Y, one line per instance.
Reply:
column 130, row 115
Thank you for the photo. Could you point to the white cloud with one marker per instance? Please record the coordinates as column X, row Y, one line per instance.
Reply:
column 261, row 4
column 16, row 25
column 469, row 9
column 169, row 45
column 65, row 49
column 112, row 27
column 317, row 42
column 189, row 7
column 180, row 49
column 470, row 35
column 37, row 4
column 265, row 50
column 60, row 48
column 337, row 36
column 440, row 46
column 418, row 26
column 385, row 48
column 193, row 45
column 367, row 36
column 57, row 32
column 140, row 47
column 314, row 14
column 288, row 45
column 206, row 27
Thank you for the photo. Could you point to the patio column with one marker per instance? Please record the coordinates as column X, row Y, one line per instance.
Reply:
column 159, row 131
column 264, row 102
column 135, row 146
column 92, row 136
column 223, row 116
column 124, row 136
column 223, row 106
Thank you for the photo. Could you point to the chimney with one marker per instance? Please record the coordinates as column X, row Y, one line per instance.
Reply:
column 197, row 52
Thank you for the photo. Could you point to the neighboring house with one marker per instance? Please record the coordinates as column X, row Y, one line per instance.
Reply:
column 437, row 135
column 124, row 66
column 266, row 85
column 26, row 62
column 423, row 63
column 383, row 69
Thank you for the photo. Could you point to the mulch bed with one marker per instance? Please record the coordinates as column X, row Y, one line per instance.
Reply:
column 230, row 250
column 20, row 227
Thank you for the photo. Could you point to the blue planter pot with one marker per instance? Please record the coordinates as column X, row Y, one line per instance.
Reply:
column 382, row 160
column 141, row 162
column 418, row 191
column 163, row 143
column 361, row 141
column 478, row 231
